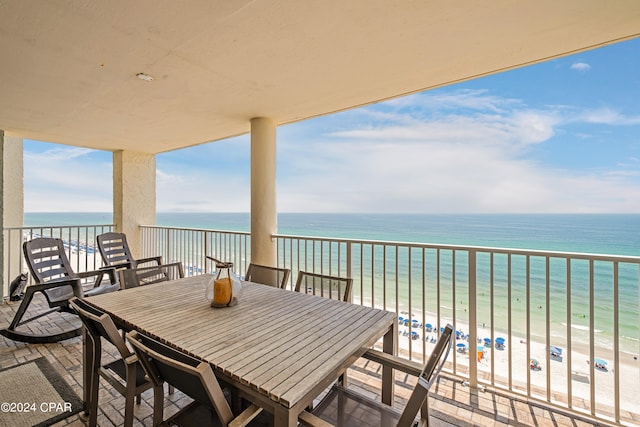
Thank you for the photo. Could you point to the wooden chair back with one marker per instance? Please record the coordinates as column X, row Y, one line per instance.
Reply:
column 343, row 406
column 266, row 275
column 134, row 277
column 427, row 377
column 100, row 324
column 193, row 377
column 332, row 287
column 125, row 374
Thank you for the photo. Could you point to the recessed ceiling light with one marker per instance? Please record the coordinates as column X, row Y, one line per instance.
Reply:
column 145, row 77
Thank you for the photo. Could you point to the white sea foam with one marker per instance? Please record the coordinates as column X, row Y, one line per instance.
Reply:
column 582, row 328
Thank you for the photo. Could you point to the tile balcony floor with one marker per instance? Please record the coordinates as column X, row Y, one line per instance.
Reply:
column 451, row 402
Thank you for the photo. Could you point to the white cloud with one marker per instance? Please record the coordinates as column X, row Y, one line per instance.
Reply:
column 445, row 163
column 441, row 178
column 608, row 116
column 468, row 99
column 466, row 151
column 67, row 179
column 197, row 190
column 580, row 66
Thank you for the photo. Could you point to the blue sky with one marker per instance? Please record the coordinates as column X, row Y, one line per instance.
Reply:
column 557, row 137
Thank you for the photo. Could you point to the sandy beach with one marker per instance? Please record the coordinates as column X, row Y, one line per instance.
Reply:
column 552, row 373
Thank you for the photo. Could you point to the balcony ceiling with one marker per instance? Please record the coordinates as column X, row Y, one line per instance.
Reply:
column 68, row 69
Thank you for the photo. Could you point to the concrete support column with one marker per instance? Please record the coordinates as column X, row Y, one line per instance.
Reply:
column 11, row 208
column 134, row 194
column 264, row 220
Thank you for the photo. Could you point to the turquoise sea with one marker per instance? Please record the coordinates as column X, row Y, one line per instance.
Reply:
column 615, row 234
column 591, row 233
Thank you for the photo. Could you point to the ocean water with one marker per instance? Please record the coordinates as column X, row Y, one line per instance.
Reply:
column 615, row 234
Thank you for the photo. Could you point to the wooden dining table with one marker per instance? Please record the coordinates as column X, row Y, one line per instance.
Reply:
column 279, row 348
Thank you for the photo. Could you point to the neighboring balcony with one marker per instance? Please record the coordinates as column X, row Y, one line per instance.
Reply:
column 551, row 332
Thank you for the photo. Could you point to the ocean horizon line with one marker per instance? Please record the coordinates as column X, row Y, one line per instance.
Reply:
column 357, row 213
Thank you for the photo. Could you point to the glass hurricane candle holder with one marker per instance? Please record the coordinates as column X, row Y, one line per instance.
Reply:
column 225, row 288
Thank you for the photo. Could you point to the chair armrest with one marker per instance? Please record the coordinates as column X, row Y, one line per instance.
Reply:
column 311, row 420
column 157, row 259
column 404, row 365
column 246, row 416
column 98, row 274
column 74, row 283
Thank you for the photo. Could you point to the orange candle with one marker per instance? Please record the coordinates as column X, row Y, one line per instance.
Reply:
column 221, row 292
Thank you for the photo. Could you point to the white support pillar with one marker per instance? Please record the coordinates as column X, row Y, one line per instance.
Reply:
column 264, row 220
column 134, row 194
column 11, row 208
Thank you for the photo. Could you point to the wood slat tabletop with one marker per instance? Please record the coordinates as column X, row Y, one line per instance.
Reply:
column 280, row 344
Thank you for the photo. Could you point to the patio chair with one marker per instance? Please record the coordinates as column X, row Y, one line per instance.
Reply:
column 332, row 287
column 115, row 252
column 134, row 277
column 125, row 374
column 272, row 276
column 194, row 378
column 344, row 407
column 56, row 280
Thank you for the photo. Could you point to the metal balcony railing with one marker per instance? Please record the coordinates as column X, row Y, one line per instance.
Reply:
column 559, row 328
column 190, row 245
column 79, row 242
column 535, row 323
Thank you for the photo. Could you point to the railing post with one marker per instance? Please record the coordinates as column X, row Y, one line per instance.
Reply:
column 349, row 268
column 206, row 251
column 169, row 245
column 473, row 321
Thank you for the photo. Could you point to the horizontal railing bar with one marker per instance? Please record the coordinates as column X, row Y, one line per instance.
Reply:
column 208, row 230
column 57, row 227
column 482, row 249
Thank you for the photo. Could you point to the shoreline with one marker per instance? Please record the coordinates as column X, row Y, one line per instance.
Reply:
column 553, row 372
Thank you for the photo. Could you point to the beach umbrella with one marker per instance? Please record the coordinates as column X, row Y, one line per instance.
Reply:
column 500, row 341
column 600, row 363
column 555, row 351
column 428, row 327
column 534, row 364
column 487, row 342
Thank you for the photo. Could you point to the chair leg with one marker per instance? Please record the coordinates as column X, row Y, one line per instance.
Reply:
column 94, row 384
column 130, row 395
column 22, row 308
column 424, row 412
column 94, row 349
column 158, row 405
column 87, row 372
column 27, row 336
